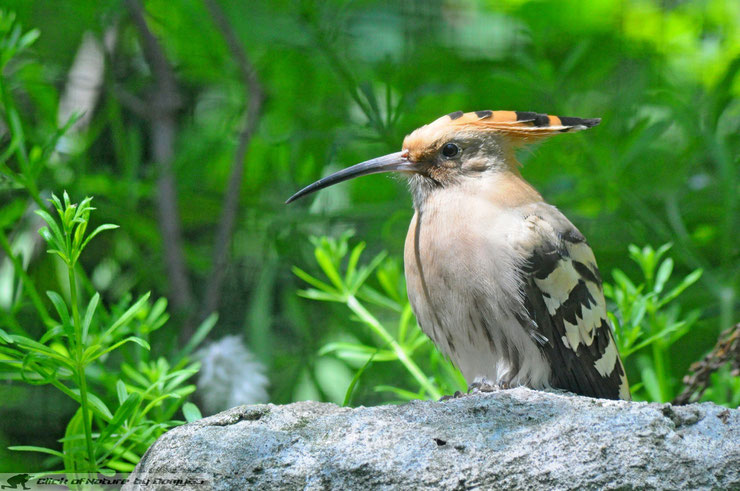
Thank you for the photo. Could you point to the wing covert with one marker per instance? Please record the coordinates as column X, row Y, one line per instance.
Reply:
column 563, row 297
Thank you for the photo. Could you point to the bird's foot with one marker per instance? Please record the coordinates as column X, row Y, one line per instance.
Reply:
column 485, row 386
column 456, row 395
column 478, row 388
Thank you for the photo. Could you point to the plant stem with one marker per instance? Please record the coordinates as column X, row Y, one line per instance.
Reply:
column 16, row 130
column 658, row 354
column 376, row 326
column 79, row 349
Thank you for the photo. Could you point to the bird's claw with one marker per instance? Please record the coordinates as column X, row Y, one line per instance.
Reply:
column 486, row 386
column 456, row 395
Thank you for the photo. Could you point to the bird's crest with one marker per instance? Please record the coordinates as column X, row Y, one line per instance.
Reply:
column 518, row 126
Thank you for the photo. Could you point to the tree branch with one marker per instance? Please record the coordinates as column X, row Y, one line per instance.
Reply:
column 255, row 99
column 163, row 106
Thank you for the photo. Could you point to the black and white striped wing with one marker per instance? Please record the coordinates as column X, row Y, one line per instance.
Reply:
column 565, row 304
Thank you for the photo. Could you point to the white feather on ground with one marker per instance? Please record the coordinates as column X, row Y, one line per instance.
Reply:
column 230, row 376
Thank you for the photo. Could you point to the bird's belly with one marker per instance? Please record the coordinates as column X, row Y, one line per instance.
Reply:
column 462, row 298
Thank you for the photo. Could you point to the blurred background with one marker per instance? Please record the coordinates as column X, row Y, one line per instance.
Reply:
column 191, row 121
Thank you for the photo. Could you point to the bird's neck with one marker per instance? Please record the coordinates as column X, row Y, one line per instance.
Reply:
column 504, row 188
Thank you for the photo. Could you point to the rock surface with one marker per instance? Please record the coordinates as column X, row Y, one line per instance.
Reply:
column 511, row 439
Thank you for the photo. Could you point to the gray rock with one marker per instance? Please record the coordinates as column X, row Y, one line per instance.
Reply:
column 511, row 439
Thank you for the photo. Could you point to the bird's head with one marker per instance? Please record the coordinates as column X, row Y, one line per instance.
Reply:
column 458, row 146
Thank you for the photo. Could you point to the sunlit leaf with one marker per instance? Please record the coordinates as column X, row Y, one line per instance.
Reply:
column 89, row 312
column 664, row 272
column 31, row 448
column 191, row 412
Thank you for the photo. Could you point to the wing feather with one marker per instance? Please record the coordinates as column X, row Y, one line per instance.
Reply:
column 563, row 297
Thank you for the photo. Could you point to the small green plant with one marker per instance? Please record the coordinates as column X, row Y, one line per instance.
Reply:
column 399, row 339
column 648, row 322
column 74, row 349
column 97, row 355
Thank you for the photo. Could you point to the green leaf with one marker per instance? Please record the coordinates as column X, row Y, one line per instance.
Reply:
column 96, row 403
column 107, row 226
column 61, row 308
column 374, row 296
column 200, row 334
column 663, row 333
column 354, row 257
column 356, row 378
column 121, row 391
column 420, row 340
column 82, row 211
column 623, row 281
column 388, row 275
column 31, row 448
column 662, row 250
column 119, row 466
column 176, row 378
column 327, row 265
column 407, row 314
column 651, row 383
column 156, row 402
column 319, row 296
column 52, row 333
column 313, row 281
column 158, row 315
column 92, row 356
column 403, row 394
column 56, row 238
column 135, row 375
column 73, row 447
column 57, row 204
column 354, row 351
column 31, row 345
column 67, row 201
column 191, row 412
column 664, row 272
column 5, row 337
column 28, row 39
column 692, row 278
column 367, row 270
column 125, row 410
column 91, row 306
column 126, row 317
column 639, row 309
column 184, row 391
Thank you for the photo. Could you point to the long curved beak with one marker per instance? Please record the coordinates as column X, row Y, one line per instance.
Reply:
column 393, row 162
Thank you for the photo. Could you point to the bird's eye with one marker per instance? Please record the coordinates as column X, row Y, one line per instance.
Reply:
column 449, row 150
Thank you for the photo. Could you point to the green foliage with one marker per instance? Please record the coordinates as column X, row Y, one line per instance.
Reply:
column 345, row 82
column 76, row 347
column 398, row 339
column 98, row 357
column 643, row 319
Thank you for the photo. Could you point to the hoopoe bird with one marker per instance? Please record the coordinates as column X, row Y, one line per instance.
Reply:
column 501, row 281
